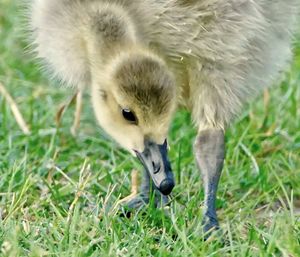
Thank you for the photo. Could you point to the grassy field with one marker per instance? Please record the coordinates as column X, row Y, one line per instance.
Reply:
column 57, row 192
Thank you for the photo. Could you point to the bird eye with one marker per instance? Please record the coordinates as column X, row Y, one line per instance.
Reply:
column 129, row 115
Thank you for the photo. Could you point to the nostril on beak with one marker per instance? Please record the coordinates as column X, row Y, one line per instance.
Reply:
column 156, row 167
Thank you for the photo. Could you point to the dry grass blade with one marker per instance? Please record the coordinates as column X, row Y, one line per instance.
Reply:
column 133, row 193
column 77, row 113
column 83, row 180
column 60, row 112
column 134, row 188
column 15, row 110
column 77, row 99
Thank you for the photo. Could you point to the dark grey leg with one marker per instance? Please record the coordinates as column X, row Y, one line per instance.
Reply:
column 210, row 153
column 143, row 197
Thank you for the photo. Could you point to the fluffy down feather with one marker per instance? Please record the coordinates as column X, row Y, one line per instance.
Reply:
column 221, row 51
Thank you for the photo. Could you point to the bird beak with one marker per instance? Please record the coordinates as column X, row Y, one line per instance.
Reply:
column 155, row 160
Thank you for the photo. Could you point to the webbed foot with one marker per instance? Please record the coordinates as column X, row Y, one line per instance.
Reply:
column 210, row 224
column 140, row 202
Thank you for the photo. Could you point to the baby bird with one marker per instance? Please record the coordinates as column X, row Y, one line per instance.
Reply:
column 140, row 60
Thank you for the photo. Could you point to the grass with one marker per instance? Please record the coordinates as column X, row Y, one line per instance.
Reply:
column 57, row 192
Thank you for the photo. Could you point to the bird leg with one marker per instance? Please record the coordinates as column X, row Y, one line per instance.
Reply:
column 210, row 154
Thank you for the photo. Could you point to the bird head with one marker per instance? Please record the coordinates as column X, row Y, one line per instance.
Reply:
column 134, row 97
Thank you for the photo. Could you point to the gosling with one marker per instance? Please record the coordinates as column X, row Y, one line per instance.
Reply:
column 142, row 59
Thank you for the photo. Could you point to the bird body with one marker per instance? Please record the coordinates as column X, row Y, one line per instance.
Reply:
column 221, row 52
column 141, row 59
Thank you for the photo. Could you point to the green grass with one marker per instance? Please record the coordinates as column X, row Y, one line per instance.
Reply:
column 41, row 175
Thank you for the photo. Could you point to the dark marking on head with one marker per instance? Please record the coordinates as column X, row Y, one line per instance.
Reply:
column 186, row 3
column 109, row 26
column 146, row 83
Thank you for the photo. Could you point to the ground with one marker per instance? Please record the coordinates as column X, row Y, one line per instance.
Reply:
column 58, row 192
